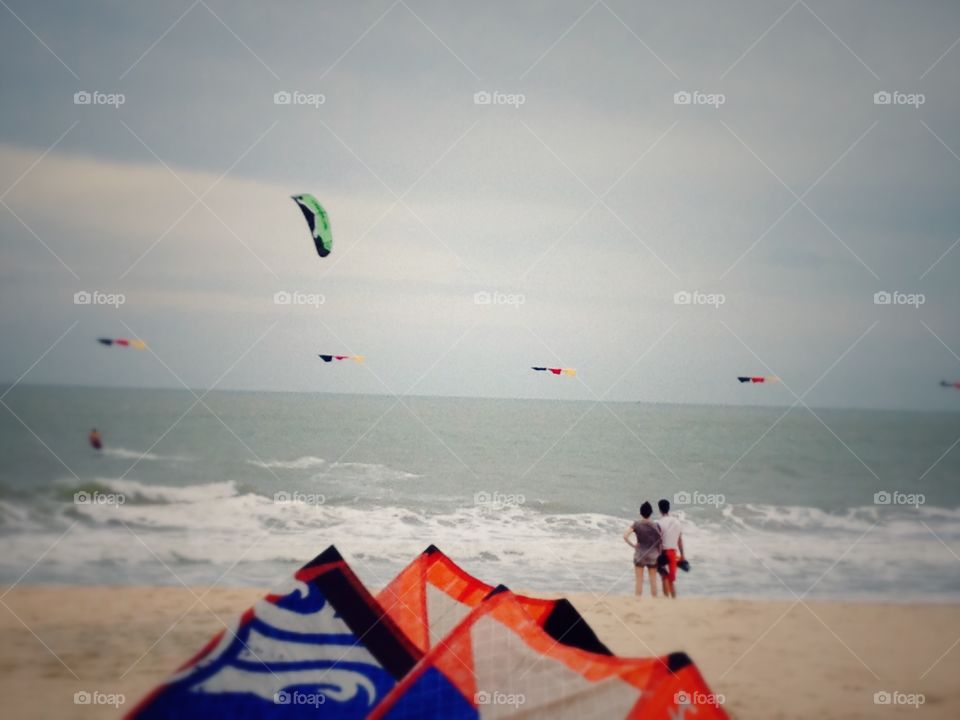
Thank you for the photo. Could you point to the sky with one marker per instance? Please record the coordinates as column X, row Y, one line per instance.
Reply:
column 509, row 184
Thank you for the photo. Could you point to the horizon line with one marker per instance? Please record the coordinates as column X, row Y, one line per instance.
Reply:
column 8, row 385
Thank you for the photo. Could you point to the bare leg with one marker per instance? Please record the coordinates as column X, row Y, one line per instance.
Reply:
column 668, row 590
column 638, row 586
column 653, row 581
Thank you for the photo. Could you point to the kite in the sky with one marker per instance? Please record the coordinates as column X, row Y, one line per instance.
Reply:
column 331, row 358
column 758, row 379
column 123, row 342
column 944, row 383
column 318, row 221
column 556, row 371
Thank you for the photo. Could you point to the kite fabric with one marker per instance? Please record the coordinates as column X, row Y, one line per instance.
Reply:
column 556, row 371
column 321, row 645
column 432, row 594
column 758, row 379
column 498, row 662
column 317, row 221
column 436, row 643
column 123, row 342
column 955, row 385
column 331, row 358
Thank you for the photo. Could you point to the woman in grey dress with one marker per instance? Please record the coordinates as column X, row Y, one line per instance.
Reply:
column 646, row 546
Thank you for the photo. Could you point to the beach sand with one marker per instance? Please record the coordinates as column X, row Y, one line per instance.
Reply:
column 769, row 659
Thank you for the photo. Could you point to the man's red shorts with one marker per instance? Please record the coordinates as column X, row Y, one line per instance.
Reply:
column 671, row 565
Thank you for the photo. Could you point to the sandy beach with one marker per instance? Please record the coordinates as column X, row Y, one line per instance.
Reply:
column 769, row 659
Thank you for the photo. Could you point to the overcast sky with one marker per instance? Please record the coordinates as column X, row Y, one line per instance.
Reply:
column 582, row 199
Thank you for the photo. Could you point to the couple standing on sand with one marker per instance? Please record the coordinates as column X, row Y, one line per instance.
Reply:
column 656, row 548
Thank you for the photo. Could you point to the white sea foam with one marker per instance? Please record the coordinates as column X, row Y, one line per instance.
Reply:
column 201, row 531
column 126, row 454
column 854, row 520
column 135, row 491
column 370, row 471
column 16, row 517
column 348, row 470
column 305, row 462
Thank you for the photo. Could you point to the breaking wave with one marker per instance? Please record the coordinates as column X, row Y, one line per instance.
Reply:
column 200, row 531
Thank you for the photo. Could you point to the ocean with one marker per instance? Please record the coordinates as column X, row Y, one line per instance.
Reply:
column 241, row 488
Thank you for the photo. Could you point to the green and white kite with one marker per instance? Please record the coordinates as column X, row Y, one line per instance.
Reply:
column 318, row 221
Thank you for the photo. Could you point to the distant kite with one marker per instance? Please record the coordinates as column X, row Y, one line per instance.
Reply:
column 318, row 221
column 331, row 358
column 944, row 383
column 758, row 379
column 556, row 371
column 123, row 342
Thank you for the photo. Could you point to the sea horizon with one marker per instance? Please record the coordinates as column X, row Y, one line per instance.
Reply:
column 4, row 386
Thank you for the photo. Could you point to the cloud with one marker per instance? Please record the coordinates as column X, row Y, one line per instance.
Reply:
column 503, row 198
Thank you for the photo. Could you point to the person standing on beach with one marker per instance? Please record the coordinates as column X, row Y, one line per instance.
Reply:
column 672, row 541
column 645, row 549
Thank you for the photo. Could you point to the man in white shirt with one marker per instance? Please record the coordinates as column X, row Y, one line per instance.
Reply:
column 672, row 540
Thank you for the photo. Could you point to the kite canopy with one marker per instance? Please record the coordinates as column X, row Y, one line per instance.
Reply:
column 324, row 647
column 321, row 637
column 331, row 358
column 758, row 378
column 556, row 371
column 317, row 221
column 498, row 654
column 432, row 594
column 123, row 342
